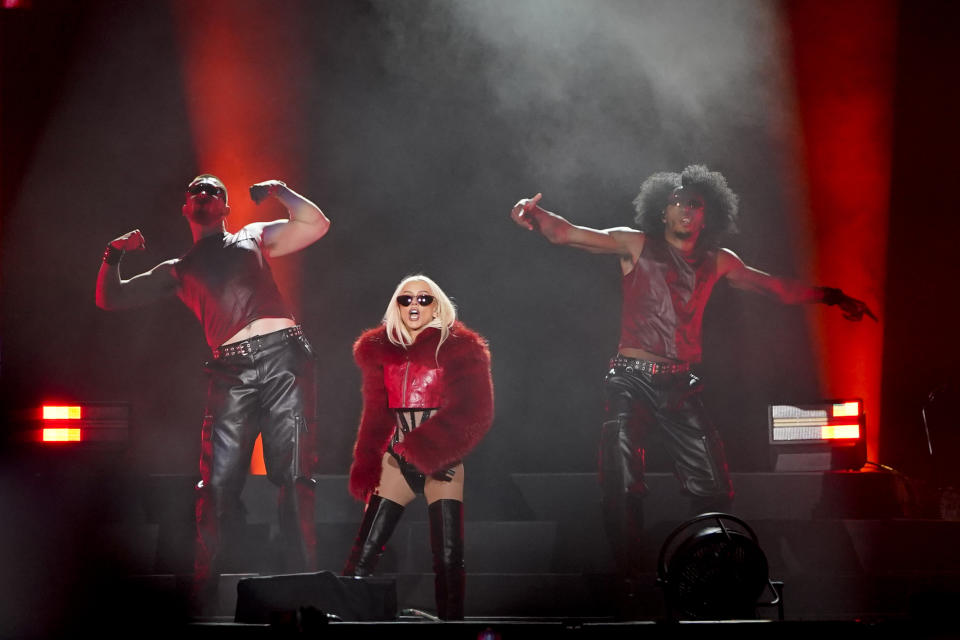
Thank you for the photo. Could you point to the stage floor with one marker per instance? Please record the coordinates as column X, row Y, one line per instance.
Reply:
column 852, row 553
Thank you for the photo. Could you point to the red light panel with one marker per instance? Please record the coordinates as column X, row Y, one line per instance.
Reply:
column 60, row 412
column 92, row 425
column 832, row 420
column 840, row 432
column 61, row 435
column 846, row 410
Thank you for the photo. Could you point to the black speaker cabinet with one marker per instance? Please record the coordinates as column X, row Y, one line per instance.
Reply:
column 352, row 599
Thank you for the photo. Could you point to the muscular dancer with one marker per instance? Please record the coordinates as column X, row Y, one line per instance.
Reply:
column 670, row 266
column 259, row 373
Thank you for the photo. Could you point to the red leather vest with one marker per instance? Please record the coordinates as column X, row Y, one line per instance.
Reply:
column 663, row 300
column 226, row 281
column 411, row 385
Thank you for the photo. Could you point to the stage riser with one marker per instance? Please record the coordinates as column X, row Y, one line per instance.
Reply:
column 786, row 496
column 517, row 547
column 829, row 547
column 535, row 544
column 560, row 528
column 565, row 497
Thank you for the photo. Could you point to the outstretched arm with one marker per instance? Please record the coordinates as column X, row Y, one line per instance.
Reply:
column 787, row 291
column 622, row 241
column 306, row 225
column 114, row 293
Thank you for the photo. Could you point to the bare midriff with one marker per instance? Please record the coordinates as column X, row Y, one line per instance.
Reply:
column 643, row 354
column 259, row 327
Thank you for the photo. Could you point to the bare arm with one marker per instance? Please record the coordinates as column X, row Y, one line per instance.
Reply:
column 306, row 225
column 622, row 241
column 114, row 293
column 741, row 276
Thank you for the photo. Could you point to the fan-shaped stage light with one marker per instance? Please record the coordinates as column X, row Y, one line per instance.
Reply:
column 712, row 568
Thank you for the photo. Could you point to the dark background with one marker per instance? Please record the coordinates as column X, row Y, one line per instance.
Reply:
column 425, row 123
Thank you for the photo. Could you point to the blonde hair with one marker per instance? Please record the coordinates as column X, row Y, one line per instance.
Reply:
column 446, row 313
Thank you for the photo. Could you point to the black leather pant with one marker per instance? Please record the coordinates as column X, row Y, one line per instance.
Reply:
column 266, row 392
column 666, row 405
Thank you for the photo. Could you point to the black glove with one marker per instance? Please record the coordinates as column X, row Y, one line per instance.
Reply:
column 852, row 308
column 444, row 475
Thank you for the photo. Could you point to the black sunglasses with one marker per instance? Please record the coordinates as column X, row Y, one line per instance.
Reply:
column 423, row 300
column 691, row 202
column 204, row 187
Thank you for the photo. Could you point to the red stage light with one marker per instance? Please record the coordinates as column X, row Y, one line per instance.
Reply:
column 60, row 434
column 846, row 410
column 61, row 412
column 840, row 432
column 844, row 62
column 818, row 437
column 257, row 466
column 90, row 424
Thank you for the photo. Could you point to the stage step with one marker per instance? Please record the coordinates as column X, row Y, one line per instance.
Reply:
column 564, row 497
column 832, row 569
column 535, row 545
column 879, row 547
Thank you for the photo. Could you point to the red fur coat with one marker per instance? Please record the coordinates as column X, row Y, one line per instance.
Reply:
column 451, row 432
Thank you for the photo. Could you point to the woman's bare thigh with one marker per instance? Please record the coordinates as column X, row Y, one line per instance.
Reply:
column 434, row 489
column 393, row 486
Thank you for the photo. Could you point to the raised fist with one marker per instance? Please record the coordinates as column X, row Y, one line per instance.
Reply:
column 132, row 241
column 262, row 190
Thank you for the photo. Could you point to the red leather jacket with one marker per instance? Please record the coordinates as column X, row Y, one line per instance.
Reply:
column 413, row 385
column 454, row 380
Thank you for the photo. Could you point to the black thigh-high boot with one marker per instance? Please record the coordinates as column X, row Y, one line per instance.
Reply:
column 379, row 520
column 446, row 543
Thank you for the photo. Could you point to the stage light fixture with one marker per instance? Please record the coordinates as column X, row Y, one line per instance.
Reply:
column 60, row 412
column 827, row 436
column 59, row 434
column 712, row 568
column 85, row 424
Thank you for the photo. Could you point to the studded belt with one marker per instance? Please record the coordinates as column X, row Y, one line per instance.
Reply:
column 648, row 366
column 256, row 343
